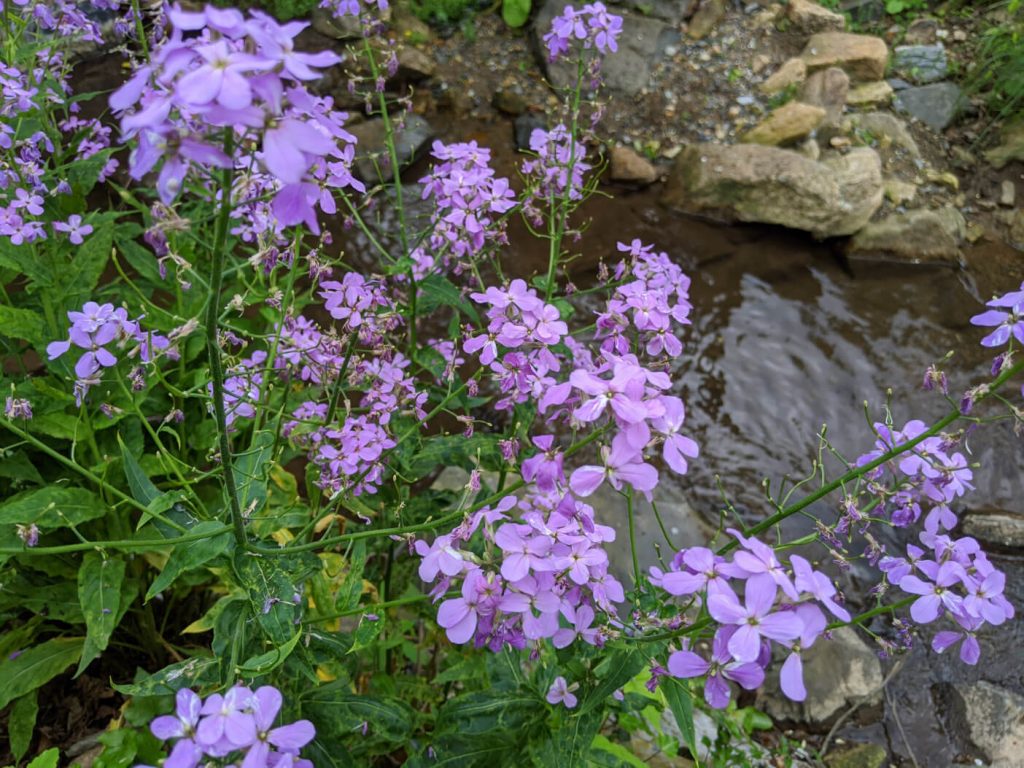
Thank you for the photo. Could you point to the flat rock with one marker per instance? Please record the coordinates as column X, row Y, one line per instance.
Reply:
column 862, row 57
column 994, row 719
column 934, row 105
column 705, row 19
column 884, row 128
column 996, row 527
column 870, row 94
column 837, row 673
column 793, row 72
column 411, row 135
column 922, row 31
column 629, row 166
column 784, row 125
column 751, row 182
column 1011, row 146
column 858, row 756
column 827, row 88
column 809, row 17
column 919, row 236
column 921, row 63
column 900, row 192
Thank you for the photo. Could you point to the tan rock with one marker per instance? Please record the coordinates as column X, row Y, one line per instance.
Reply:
column 870, row 94
column 919, row 236
column 750, row 182
column 944, row 178
column 862, row 57
column 631, row 167
column 809, row 17
column 1012, row 146
column 1007, row 193
column 900, row 192
column 827, row 89
column 786, row 124
column 792, row 72
column 883, row 127
column 414, row 64
column 705, row 19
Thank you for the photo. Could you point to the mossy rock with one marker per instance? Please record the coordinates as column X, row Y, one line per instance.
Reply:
column 858, row 756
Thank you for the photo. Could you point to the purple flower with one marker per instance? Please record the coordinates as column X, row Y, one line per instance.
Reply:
column 718, row 671
column 266, row 703
column 74, row 228
column 817, row 584
column 1007, row 316
column 459, row 616
column 934, row 596
column 755, row 619
column 562, row 693
column 623, row 464
column 227, row 720
column 17, row 408
column 970, row 651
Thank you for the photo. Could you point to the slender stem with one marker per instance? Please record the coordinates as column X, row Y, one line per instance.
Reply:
column 145, row 545
column 213, row 344
column 632, row 542
column 877, row 611
column 140, row 29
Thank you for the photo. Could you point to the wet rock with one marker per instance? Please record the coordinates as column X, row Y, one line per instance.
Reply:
column 827, row 89
column 922, row 32
column 870, row 94
column 809, row 17
column 858, row 756
column 671, row 11
column 750, row 182
column 900, row 192
column 934, row 105
column 881, row 126
column 1007, row 194
column 631, row 167
column 707, row 16
column 863, row 11
column 793, row 72
column 994, row 719
column 411, row 134
column 790, row 122
column 414, row 65
column 523, row 128
column 862, row 57
column 920, row 236
column 509, row 102
column 996, row 527
column 921, row 63
column 1011, row 145
column 837, row 673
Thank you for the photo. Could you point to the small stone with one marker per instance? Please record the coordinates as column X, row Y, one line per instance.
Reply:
column 975, row 232
column 900, row 192
column 786, row 124
column 631, row 167
column 1016, row 227
column 793, row 72
column 858, row 756
column 809, row 17
column 745, row 100
column 827, row 89
column 411, row 134
column 1011, row 146
column 922, row 32
column 707, row 16
column 945, row 178
column 509, row 102
column 921, row 63
column 415, row 65
column 862, row 57
column 759, row 63
column 840, row 142
column 934, row 105
column 959, row 36
column 1007, row 194
column 997, row 527
column 898, row 84
column 870, row 94
column 962, row 158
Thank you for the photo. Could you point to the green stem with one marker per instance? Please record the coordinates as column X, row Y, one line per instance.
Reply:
column 213, row 345
column 632, row 543
column 140, row 30
column 145, row 545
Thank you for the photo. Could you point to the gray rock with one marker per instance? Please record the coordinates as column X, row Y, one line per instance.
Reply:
column 921, row 63
column 898, row 84
column 524, row 127
column 919, row 236
column 707, row 16
column 509, row 102
column 372, row 161
column 837, row 673
column 994, row 719
column 748, row 182
column 879, row 125
column 996, row 527
column 934, row 105
column 922, row 32
column 671, row 11
column 642, row 45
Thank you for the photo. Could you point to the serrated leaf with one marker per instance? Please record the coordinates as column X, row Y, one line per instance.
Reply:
column 267, row 662
column 677, row 694
column 338, row 713
column 251, row 473
column 22, row 723
column 37, row 666
column 620, row 667
column 22, row 324
column 141, row 487
column 188, row 558
column 191, row 673
column 437, row 290
column 618, row 754
column 366, row 633
column 100, row 580
column 515, row 12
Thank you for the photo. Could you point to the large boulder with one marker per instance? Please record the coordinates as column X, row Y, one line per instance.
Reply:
column 994, row 721
column 919, row 236
column 862, row 57
column 748, row 182
column 934, row 105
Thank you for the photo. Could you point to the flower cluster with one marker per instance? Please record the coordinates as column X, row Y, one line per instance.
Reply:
column 590, row 27
column 548, row 566
column 234, row 728
column 221, row 70
column 558, row 167
column 468, row 203
column 94, row 329
column 781, row 605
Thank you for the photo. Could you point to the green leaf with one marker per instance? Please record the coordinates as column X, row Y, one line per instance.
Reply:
column 437, row 290
column 618, row 754
column 22, row 723
column 351, row 588
column 22, row 324
column 677, row 694
column 47, row 759
column 37, row 666
column 366, row 633
column 267, row 662
column 17, row 466
column 141, row 487
column 191, row 673
column 83, row 174
column 515, row 12
column 52, row 507
column 338, row 713
column 618, row 669
column 251, row 472
column 100, row 580
column 197, row 553
column 88, row 262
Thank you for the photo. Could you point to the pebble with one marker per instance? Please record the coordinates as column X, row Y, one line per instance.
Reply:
column 745, row 101
column 959, row 35
column 1007, row 194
